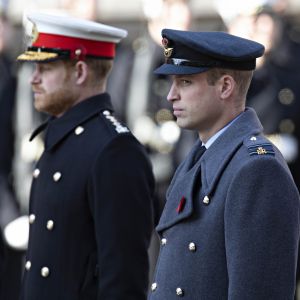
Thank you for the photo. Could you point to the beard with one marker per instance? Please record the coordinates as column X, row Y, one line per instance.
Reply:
column 55, row 103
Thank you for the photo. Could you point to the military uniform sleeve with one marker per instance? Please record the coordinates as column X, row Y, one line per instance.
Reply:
column 262, row 232
column 121, row 191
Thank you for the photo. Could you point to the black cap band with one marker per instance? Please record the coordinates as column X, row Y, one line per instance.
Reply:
column 209, row 63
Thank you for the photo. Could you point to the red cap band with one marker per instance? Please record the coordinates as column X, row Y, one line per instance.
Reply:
column 90, row 47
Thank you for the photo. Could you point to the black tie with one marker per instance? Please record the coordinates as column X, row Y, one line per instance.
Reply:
column 199, row 153
column 197, row 156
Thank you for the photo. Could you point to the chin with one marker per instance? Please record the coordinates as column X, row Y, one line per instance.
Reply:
column 181, row 122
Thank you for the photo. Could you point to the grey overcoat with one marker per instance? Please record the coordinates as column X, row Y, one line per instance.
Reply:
column 230, row 226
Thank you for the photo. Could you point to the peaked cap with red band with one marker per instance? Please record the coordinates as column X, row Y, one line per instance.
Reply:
column 64, row 37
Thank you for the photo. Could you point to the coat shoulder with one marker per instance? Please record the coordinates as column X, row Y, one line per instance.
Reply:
column 259, row 145
column 112, row 124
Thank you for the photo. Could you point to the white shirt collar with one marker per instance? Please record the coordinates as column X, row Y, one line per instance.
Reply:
column 217, row 134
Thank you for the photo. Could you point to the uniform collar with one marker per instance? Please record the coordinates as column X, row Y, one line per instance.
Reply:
column 58, row 128
column 220, row 132
column 216, row 158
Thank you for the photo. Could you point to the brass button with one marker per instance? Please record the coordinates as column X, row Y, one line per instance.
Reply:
column 45, row 272
column 153, row 286
column 253, row 138
column 28, row 265
column 56, row 176
column 78, row 52
column 192, row 247
column 79, row 130
column 179, row 292
column 50, row 224
column 163, row 241
column 206, row 200
column 36, row 173
column 31, row 218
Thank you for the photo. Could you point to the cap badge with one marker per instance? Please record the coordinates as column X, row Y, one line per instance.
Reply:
column 34, row 34
column 165, row 42
column 167, row 51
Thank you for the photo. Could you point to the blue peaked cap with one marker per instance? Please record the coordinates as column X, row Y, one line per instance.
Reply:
column 188, row 52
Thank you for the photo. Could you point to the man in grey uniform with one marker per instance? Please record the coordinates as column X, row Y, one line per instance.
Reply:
column 230, row 226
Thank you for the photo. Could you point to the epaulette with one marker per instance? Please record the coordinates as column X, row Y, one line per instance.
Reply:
column 117, row 125
column 259, row 145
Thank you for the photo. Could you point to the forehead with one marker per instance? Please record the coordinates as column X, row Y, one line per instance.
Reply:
column 198, row 76
column 52, row 64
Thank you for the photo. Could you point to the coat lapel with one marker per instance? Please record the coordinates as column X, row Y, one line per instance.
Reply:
column 179, row 204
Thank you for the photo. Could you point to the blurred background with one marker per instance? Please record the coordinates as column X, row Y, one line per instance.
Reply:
column 139, row 96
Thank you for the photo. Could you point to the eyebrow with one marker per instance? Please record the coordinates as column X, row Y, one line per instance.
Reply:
column 183, row 76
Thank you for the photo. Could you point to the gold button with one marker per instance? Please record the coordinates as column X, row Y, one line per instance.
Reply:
column 206, row 200
column 31, row 219
column 78, row 52
column 192, row 247
column 56, row 176
column 50, row 224
column 179, row 292
column 153, row 286
column 163, row 241
column 36, row 173
column 79, row 130
column 28, row 265
column 45, row 272
column 253, row 138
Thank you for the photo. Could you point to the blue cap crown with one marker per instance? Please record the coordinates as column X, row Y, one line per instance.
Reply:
column 188, row 52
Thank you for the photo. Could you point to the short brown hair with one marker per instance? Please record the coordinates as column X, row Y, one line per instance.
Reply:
column 100, row 68
column 242, row 78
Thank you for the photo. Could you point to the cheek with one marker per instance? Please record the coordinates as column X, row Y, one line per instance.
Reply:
column 55, row 83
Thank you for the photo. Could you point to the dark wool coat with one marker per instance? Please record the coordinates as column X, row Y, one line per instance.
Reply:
column 90, row 210
column 230, row 227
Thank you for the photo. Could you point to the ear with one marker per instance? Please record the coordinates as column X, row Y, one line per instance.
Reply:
column 227, row 86
column 81, row 69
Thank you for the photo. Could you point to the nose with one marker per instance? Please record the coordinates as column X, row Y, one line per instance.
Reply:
column 173, row 94
column 35, row 76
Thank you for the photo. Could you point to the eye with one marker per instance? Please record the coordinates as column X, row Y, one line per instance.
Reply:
column 44, row 67
column 185, row 82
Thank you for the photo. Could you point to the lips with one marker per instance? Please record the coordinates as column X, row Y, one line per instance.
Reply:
column 177, row 111
column 177, row 108
column 35, row 91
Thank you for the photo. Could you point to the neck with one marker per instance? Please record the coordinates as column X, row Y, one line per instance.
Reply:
column 86, row 93
column 205, row 135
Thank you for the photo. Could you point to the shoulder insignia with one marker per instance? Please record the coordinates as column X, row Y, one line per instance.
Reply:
column 259, row 145
column 118, row 126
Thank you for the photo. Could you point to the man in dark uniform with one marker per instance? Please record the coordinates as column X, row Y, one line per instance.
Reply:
column 91, row 197
column 10, row 254
column 230, row 227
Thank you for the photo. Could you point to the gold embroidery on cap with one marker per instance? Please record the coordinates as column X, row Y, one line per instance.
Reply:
column 37, row 56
